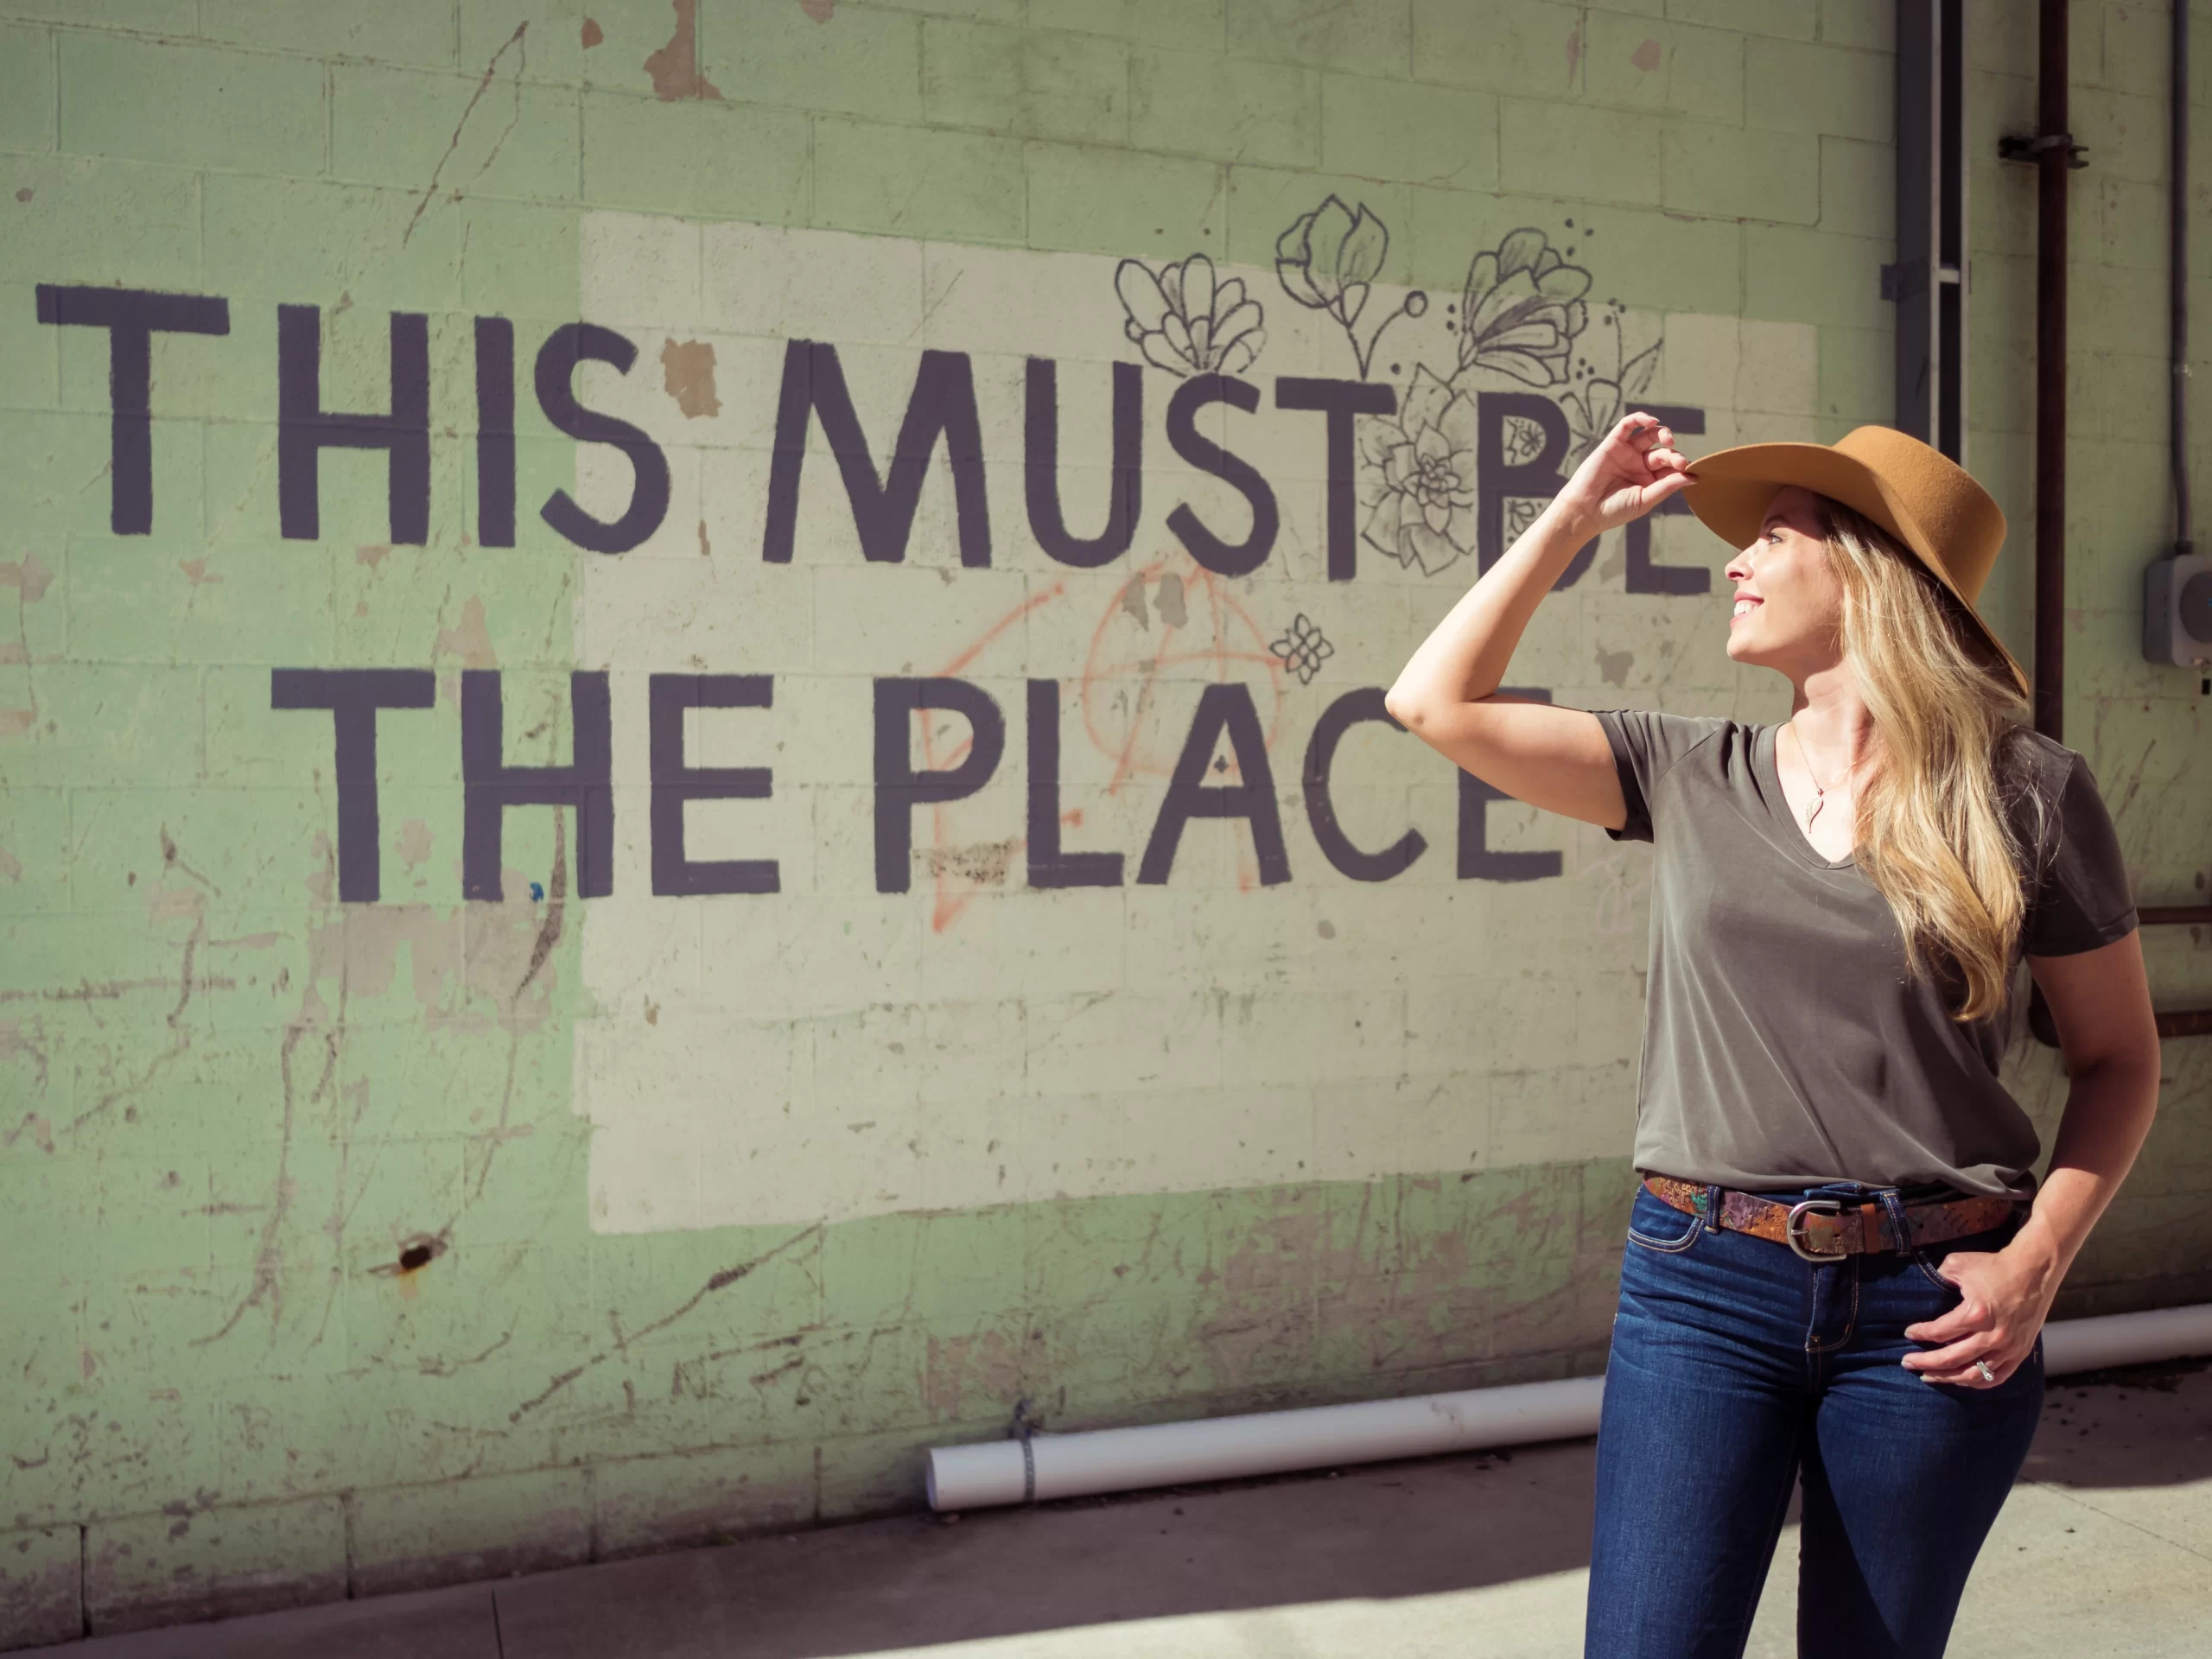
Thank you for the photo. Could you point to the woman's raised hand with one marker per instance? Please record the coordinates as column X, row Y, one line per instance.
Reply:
column 1632, row 471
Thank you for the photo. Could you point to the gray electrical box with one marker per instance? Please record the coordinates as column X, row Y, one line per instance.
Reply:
column 2178, row 611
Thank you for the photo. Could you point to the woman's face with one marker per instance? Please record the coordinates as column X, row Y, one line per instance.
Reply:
column 1788, row 605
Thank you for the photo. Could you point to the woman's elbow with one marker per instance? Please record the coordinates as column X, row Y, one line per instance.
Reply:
column 1407, row 712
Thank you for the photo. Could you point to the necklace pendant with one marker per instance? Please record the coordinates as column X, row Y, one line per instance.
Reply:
column 1814, row 812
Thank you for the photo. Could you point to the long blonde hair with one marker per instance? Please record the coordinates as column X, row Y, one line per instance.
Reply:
column 1933, row 836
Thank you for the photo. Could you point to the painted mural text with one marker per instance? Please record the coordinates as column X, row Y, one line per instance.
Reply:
column 941, row 409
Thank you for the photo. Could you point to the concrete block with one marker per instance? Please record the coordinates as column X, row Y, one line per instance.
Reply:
column 404, row 31
column 27, row 89
column 1857, row 187
column 701, row 1499
column 1800, row 86
column 326, row 224
column 1578, row 152
column 1363, row 37
column 42, row 1587
column 1102, row 201
column 187, row 1565
column 906, row 181
column 859, row 62
column 1231, row 109
column 1808, row 275
column 419, row 1537
column 88, row 220
column 1726, row 172
column 1027, row 84
column 149, row 100
column 1193, row 25
column 146, row 16
column 1397, row 130
column 454, row 132
column 708, row 159
column 1794, row 20
column 1642, row 63
column 1532, row 49
column 1868, row 24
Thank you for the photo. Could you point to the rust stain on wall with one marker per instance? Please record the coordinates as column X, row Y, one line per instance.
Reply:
column 674, row 67
column 688, row 375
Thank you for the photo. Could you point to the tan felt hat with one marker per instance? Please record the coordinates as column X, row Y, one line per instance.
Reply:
column 1917, row 493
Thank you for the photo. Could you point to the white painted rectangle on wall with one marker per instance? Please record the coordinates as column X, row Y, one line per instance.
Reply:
column 830, row 1050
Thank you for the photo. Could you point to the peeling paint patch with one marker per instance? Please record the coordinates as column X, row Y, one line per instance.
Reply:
column 821, row 11
column 371, row 555
column 706, row 548
column 14, row 722
column 1615, row 664
column 593, row 34
column 1646, row 57
column 688, row 376
column 471, row 641
column 195, row 571
column 674, row 67
column 9, row 867
column 28, row 574
column 414, row 841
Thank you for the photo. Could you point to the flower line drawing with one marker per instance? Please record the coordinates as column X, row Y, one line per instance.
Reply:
column 1302, row 648
column 1187, row 322
column 1327, row 261
column 1522, row 308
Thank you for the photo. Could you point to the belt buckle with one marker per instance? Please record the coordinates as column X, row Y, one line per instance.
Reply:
column 1792, row 1229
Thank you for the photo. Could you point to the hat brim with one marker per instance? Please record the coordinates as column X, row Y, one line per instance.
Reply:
column 1731, row 489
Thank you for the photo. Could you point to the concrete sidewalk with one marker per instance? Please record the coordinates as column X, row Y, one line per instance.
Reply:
column 2104, row 1547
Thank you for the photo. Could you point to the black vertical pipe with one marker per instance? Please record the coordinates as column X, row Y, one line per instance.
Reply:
column 2054, row 156
column 2177, row 279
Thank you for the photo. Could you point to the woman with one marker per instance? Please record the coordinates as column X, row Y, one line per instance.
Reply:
column 1840, row 1262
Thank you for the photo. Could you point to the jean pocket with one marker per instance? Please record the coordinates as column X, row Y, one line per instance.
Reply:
column 1657, row 1225
column 1928, row 1257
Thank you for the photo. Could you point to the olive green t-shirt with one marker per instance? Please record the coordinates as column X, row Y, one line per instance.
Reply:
column 1785, row 1042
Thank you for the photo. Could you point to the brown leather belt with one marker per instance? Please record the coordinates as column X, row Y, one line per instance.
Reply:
column 1820, row 1229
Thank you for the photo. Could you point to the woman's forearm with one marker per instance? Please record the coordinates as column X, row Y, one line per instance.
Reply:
column 2109, row 1107
column 1465, row 655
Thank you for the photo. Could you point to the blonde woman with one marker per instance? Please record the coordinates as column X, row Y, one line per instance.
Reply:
column 1838, row 1266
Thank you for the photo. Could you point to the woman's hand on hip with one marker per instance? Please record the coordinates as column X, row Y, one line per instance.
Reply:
column 2006, row 1296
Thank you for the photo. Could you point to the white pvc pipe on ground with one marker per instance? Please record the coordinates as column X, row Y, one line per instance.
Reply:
column 1274, row 1442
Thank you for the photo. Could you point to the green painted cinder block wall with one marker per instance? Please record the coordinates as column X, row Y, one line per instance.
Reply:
column 357, row 1246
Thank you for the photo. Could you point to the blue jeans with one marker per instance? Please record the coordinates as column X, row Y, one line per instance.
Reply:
column 1736, row 1366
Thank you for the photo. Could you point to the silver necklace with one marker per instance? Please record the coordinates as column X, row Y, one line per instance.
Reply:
column 1819, row 789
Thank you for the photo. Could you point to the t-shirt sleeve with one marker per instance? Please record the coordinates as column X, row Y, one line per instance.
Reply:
column 1646, row 745
column 2081, row 899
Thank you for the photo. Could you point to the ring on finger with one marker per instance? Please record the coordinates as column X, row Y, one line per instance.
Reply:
column 1988, row 1376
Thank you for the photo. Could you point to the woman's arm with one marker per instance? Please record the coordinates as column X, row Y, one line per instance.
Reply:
column 2100, row 1000
column 1447, row 695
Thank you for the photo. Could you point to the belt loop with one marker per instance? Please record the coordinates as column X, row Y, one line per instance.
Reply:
column 1895, row 1205
column 1709, row 1203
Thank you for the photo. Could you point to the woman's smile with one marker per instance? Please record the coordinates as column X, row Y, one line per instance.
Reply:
column 1744, row 602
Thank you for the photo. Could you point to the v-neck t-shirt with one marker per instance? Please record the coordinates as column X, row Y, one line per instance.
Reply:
column 1786, row 1042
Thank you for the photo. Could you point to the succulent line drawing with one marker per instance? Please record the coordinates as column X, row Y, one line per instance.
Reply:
column 1187, row 321
column 1417, row 485
column 1523, row 310
column 1302, row 648
column 1327, row 261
